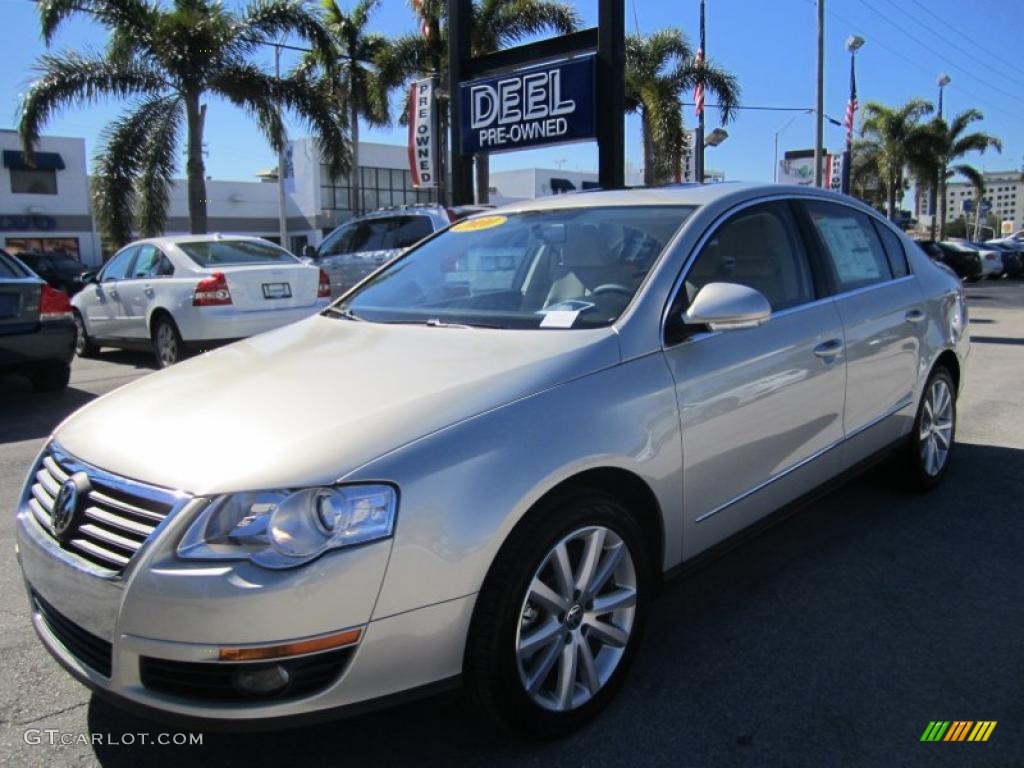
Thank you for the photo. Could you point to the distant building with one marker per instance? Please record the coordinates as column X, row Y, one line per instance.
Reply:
column 1004, row 191
column 45, row 206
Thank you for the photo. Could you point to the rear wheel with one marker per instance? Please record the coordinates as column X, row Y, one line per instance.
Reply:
column 167, row 344
column 51, row 376
column 84, row 346
column 560, row 616
column 931, row 444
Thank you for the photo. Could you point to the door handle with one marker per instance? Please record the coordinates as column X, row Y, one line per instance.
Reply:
column 914, row 316
column 829, row 349
column 113, row 293
column 148, row 290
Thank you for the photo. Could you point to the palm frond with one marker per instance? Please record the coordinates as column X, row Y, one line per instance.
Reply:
column 133, row 16
column 157, row 165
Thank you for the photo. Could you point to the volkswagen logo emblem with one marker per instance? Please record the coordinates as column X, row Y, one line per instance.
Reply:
column 65, row 506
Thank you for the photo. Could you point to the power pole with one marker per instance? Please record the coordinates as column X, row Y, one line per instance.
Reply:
column 819, row 127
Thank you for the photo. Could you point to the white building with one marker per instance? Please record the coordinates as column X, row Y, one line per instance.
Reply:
column 1004, row 191
column 46, row 206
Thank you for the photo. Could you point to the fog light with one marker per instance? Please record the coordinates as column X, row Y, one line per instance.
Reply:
column 262, row 680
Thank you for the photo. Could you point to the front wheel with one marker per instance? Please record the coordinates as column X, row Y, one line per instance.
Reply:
column 931, row 443
column 560, row 616
column 84, row 346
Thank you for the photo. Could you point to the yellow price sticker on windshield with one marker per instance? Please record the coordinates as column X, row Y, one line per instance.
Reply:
column 475, row 225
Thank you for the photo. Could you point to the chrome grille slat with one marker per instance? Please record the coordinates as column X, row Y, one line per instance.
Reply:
column 123, row 506
column 109, row 537
column 96, row 551
column 54, row 470
column 122, row 523
column 115, row 519
column 42, row 497
column 45, row 479
column 42, row 517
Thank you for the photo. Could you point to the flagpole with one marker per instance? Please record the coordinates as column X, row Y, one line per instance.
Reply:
column 853, row 44
column 698, row 138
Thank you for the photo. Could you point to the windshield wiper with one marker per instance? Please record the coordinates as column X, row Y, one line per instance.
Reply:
column 434, row 322
column 345, row 314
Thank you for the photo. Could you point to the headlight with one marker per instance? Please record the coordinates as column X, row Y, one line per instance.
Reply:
column 282, row 529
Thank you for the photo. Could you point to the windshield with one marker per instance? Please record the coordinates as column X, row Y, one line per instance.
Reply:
column 222, row 253
column 567, row 268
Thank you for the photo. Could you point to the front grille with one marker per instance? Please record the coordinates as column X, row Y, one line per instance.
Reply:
column 94, row 652
column 113, row 521
column 214, row 681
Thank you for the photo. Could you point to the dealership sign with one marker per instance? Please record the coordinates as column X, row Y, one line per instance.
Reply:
column 422, row 135
column 553, row 103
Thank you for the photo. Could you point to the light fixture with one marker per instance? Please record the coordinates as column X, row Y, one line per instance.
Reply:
column 716, row 137
column 854, row 42
column 944, row 80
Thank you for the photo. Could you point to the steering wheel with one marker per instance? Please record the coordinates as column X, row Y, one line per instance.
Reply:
column 612, row 288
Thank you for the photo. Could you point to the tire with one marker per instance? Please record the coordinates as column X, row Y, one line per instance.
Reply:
column 168, row 348
column 50, row 377
column 926, row 469
column 592, row 650
column 84, row 346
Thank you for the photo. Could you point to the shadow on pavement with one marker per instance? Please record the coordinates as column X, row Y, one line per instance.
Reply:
column 833, row 638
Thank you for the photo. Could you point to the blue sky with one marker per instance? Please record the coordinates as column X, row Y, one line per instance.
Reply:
column 770, row 46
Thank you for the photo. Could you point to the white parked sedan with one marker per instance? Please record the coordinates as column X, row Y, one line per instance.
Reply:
column 175, row 294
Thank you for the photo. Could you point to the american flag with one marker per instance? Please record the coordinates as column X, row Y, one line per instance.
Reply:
column 851, row 106
column 698, row 90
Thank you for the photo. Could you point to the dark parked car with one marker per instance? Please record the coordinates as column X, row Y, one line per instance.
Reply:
column 37, row 331
column 60, row 270
column 1013, row 257
column 966, row 263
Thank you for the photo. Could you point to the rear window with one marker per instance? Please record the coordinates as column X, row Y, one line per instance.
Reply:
column 224, row 253
column 9, row 267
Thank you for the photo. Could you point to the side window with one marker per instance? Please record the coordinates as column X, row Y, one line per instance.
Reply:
column 412, row 229
column 147, row 263
column 339, row 242
column 759, row 247
column 893, row 250
column 852, row 247
column 376, row 234
column 117, row 267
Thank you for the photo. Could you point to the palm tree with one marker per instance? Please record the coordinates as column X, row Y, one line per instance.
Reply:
column 944, row 146
column 660, row 68
column 358, row 88
column 898, row 137
column 495, row 24
column 170, row 57
column 865, row 175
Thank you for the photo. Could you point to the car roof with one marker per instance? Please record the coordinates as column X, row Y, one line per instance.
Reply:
column 678, row 194
column 212, row 237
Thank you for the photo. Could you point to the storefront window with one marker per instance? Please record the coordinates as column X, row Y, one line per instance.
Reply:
column 65, row 245
column 381, row 187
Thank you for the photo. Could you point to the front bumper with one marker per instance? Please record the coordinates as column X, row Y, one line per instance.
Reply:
column 106, row 628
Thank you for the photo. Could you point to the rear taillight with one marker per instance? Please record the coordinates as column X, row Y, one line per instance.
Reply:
column 54, row 304
column 212, row 291
column 324, row 291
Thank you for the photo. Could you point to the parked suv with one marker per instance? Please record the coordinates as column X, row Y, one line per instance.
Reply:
column 358, row 247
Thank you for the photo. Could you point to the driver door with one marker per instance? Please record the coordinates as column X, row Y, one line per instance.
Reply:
column 760, row 407
column 101, row 302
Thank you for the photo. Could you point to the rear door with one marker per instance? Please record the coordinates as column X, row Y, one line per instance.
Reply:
column 100, row 303
column 883, row 314
column 358, row 251
column 19, row 297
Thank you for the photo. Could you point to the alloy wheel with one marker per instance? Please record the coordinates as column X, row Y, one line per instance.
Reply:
column 80, row 337
column 936, row 429
column 576, row 618
column 166, row 345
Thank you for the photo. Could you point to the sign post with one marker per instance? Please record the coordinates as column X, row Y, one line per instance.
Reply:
column 512, row 99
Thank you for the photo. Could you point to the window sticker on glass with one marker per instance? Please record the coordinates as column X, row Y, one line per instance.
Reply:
column 475, row 225
column 559, row 318
column 850, row 248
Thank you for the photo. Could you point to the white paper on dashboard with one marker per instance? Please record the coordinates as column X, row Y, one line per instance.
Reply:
column 560, row 318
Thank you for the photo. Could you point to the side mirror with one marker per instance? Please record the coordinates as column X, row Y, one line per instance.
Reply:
column 728, row 307
column 88, row 277
column 309, row 252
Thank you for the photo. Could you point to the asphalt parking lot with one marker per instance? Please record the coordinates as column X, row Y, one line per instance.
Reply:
column 832, row 639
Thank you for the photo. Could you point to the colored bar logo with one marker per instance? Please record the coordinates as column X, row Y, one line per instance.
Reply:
column 958, row 730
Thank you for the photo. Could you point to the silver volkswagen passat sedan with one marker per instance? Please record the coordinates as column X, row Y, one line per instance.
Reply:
column 476, row 466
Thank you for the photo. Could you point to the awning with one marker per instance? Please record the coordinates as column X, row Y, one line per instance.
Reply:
column 43, row 161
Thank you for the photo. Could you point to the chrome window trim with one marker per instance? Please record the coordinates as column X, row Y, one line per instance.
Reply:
column 692, row 256
column 803, row 462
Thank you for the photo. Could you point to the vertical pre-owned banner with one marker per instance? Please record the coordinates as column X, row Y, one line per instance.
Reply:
column 422, row 138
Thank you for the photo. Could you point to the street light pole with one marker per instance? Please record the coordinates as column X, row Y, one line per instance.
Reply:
column 698, row 139
column 853, row 44
column 819, row 128
column 939, row 189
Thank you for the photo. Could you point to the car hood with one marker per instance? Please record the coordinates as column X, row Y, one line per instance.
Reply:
column 308, row 403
